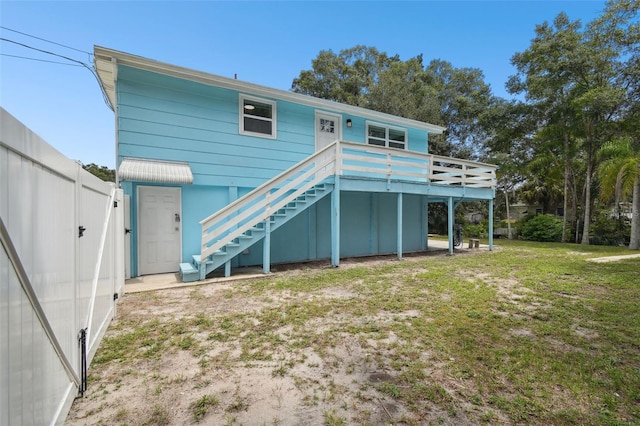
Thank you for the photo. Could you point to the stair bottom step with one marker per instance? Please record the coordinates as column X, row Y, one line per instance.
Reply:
column 188, row 273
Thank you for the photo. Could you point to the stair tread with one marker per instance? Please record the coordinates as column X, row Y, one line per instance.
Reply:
column 197, row 259
column 187, row 268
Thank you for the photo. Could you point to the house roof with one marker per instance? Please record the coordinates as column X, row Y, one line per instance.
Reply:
column 106, row 61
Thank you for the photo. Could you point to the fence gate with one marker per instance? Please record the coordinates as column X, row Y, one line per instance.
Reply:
column 61, row 267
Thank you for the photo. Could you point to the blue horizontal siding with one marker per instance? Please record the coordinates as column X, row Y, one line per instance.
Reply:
column 417, row 140
column 199, row 146
column 198, row 202
column 154, row 134
column 162, row 117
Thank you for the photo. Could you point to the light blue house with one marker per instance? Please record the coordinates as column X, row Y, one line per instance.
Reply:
column 222, row 173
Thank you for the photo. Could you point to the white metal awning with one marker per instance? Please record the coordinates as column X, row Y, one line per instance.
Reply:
column 141, row 170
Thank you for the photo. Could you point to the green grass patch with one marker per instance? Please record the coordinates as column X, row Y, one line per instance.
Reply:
column 531, row 333
column 202, row 405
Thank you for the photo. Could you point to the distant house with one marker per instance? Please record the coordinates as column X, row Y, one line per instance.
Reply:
column 224, row 173
column 624, row 209
column 474, row 217
column 522, row 210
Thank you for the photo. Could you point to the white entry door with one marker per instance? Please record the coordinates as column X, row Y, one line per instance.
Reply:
column 328, row 129
column 159, row 229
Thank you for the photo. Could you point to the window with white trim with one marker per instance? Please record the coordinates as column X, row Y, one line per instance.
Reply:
column 257, row 117
column 390, row 137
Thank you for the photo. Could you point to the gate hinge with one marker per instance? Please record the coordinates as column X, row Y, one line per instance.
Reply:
column 115, row 296
column 115, row 204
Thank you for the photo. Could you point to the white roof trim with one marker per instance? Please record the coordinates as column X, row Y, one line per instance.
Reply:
column 105, row 65
column 141, row 170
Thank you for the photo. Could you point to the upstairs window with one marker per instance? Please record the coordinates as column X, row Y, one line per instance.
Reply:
column 257, row 117
column 389, row 137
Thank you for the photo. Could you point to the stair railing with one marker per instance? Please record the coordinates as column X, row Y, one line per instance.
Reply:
column 258, row 205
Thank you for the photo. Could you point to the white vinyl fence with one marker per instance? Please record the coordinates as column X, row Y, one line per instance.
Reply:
column 61, row 267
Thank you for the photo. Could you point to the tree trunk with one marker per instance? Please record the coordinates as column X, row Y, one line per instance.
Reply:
column 587, row 194
column 634, row 241
column 566, row 188
column 587, row 207
column 506, row 200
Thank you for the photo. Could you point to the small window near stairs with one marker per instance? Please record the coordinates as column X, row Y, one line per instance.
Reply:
column 257, row 117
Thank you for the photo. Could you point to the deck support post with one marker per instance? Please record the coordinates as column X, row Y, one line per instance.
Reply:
column 491, row 225
column 227, row 268
column 451, row 217
column 425, row 221
column 233, row 196
column 335, row 223
column 399, row 226
column 266, row 247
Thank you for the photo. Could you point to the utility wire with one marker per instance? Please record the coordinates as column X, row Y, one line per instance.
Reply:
column 39, row 60
column 45, row 40
column 91, row 70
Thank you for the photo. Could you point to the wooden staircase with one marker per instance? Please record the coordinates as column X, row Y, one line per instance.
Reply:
column 198, row 269
column 241, row 224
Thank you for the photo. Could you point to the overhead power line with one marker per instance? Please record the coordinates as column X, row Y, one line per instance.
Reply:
column 91, row 70
column 40, row 60
column 45, row 40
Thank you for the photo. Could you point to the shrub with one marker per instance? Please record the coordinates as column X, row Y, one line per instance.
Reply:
column 609, row 229
column 543, row 227
column 476, row 231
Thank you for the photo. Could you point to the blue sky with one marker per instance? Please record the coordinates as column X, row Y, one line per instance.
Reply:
column 266, row 42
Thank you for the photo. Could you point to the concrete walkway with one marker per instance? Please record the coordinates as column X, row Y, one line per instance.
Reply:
column 165, row 281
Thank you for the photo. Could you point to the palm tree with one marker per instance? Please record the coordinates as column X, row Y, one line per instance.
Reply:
column 619, row 174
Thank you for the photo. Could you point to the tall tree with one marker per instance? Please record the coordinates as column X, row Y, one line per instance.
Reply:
column 103, row 172
column 573, row 76
column 437, row 93
column 346, row 77
column 619, row 174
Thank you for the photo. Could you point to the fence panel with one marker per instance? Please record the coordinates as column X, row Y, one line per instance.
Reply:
column 47, row 273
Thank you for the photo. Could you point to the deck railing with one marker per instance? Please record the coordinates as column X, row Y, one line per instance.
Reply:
column 396, row 164
column 341, row 159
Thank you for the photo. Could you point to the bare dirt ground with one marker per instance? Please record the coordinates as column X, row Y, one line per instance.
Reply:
column 212, row 378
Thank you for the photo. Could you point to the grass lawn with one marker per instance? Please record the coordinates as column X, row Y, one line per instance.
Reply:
column 531, row 333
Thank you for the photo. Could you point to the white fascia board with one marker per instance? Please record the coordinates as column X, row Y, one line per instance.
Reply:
column 103, row 54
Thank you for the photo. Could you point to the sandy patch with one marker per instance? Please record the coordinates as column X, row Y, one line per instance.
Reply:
column 607, row 259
